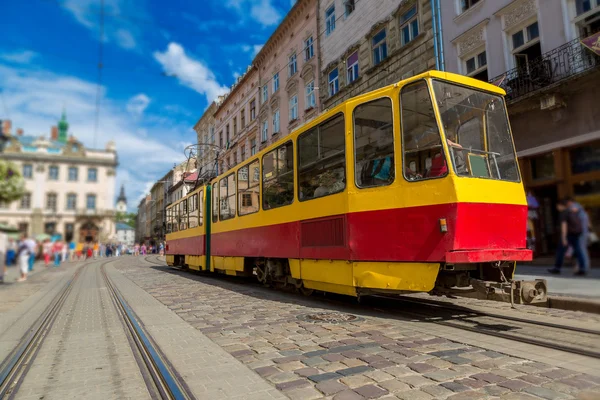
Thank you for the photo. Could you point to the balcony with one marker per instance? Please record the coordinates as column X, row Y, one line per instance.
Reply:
column 564, row 62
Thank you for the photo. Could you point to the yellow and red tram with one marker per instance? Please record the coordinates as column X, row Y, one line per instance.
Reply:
column 414, row 187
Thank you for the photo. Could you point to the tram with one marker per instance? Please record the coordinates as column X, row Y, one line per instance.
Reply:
column 414, row 187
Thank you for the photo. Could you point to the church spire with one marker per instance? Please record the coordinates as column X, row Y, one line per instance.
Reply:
column 63, row 127
column 122, row 195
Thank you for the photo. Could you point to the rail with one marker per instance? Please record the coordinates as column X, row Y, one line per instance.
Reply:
column 564, row 62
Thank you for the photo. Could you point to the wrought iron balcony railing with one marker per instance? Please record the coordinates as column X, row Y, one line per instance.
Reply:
column 566, row 61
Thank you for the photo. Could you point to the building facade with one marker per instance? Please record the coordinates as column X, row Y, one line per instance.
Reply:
column 70, row 189
column 206, row 138
column 125, row 234
column 288, row 73
column 534, row 52
column 122, row 201
column 366, row 45
column 142, row 228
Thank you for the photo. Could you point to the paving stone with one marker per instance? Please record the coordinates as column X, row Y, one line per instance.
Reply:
column 348, row 395
column 353, row 362
column 312, row 361
column 379, row 376
column 333, row 357
column 421, row 367
column 545, row 393
column 241, row 353
column 588, row 395
column 443, row 375
column 492, row 354
column 291, row 366
column 514, row 385
column 352, row 354
column 332, row 367
column 439, row 363
column 307, row 371
column 371, row 391
column 282, row 377
column 398, row 371
column 331, row 387
column 561, row 388
column 455, row 387
column 577, row 383
column 354, row 370
column 437, row 391
column 468, row 396
column 489, row 378
column 415, row 381
column 323, row 377
column 506, row 373
column 415, row 394
column 305, row 393
column 457, row 360
column 288, row 359
column 466, row 370
column 394, row 386
column 382, row 364
column 494, row 390
column 448, row 353
column 266, row 371
column 518, row 396
column 314, row 353
column 533, row 379
column 355, row 381
column 292, row 384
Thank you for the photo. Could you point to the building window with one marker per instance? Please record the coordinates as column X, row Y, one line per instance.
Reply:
column 542, row 167
column 409, row 26
column 90, row 202
column 235, row 160
column 294, row 108
column 249, row 188
column 526, row 46
column 476, row 67
column 243, row 152
column 352, row 68
column 23, row 227
column 73, row 172
column 227, row 135
column 466, row 4
column 253, row 110
column 92, row 175
column 310, row 100
column 252, row 147
column 275, row 82
column 227, row 198
column 26, row 201
column 374, row 143
column 53, row 173
column 212, row 134
column 221, row 139
column 583, row 6
column 51, row 201
column 27, row 171
column 276, row 121
column 234, row 126
column 379, row 47
column 265, row 94
column 322, row 160
column 330, row 20
column 264, row 132
column 71, row 201
column 292, row 65
column 349, row 6
column 308, row 49
column 243, row 119
column 277, row 177
column 69, row 232
column 334, row 84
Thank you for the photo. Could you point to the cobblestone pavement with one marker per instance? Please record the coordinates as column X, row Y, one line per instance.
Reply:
column 369, row 357
column 86, row 354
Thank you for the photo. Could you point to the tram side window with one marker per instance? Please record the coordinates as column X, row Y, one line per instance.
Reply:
column 175, row 218
column 374, row 143
column 249, row 188
column 322, row 160
column 169, row 220
column 278, row 177
column 193, row 210
column 215, row 202
column 183, row 212
column 421, row 141
column 200, row 207
column 227, row 197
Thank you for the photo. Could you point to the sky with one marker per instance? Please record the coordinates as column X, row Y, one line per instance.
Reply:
column 163, row 63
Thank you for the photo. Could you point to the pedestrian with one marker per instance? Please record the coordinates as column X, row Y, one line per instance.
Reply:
column 72, row 247
column 56, row 250
column 47, row 250
column 96, row 250
column 23, row 258
column 11, row 253
column 63, row 252
column 143, row 249
column 89, row 252
column 118, row 252
column 79, row 251
column 32, row 245
column 161, row 248
column 3, row 250
column 571, row 231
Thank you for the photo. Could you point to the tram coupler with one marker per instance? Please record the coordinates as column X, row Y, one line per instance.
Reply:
column 513, row 291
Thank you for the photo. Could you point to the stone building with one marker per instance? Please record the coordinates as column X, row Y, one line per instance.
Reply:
column 207, row 147
column 288, row 74
column 552, row 83
column 70, row 189
column 365, row 45
column 125, row 234
column 236, row 120
column 142, row 228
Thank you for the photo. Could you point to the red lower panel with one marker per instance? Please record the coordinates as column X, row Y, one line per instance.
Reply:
column 477, row 256
column 193, row 246
column 406, row 234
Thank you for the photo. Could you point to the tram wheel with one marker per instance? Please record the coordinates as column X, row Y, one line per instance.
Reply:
column 305, row 291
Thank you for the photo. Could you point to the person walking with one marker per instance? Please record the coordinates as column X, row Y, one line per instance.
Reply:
column 47, row 251
column 23, row 258
column 96, row 250
column 32, row 245
column 63, row 252
column 161, row 248
column 3, row 257
column 72, row 251
column 143, row 249
column 571, row 231
column 56, row 250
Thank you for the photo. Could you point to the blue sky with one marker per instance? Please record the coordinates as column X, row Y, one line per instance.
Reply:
column 49, row 55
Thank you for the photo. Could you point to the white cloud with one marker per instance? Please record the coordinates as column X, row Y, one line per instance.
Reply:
column 138, row 104
column 20, row 57
column 190, row 72
column 236, row 75
column 261, row 11
column 253, row 50
column 36, row 97
column 125, row 39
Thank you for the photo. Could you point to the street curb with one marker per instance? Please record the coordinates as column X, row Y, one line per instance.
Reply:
column 571, row 304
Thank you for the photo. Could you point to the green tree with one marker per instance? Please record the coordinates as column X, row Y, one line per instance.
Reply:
column 126, row 218
column 12, row 184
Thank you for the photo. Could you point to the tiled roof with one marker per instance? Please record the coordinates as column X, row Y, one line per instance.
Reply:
column 124, row 227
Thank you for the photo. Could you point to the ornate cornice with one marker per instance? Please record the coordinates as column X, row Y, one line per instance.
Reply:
column 471, row 39
column 517, row 12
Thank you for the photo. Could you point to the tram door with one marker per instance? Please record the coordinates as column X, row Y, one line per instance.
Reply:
column 546, row 226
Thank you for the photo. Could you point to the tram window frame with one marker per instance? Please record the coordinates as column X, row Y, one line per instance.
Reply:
column 215, row 202
column 230, row 182
column 175, row 217
column 247, row 190
column 199, row 207
column 290, row 171
column 405, row 160
column 318, row 162
column 183, row 214
column 192, row 213
column 168, row 215
column 358, row 171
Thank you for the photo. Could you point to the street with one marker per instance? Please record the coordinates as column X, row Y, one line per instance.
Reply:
column 229, row 338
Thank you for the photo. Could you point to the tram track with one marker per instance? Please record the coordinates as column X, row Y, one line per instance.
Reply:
column 16, row 365
column 160, row 377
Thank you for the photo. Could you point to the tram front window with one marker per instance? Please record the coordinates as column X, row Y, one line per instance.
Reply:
column 477, row 132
